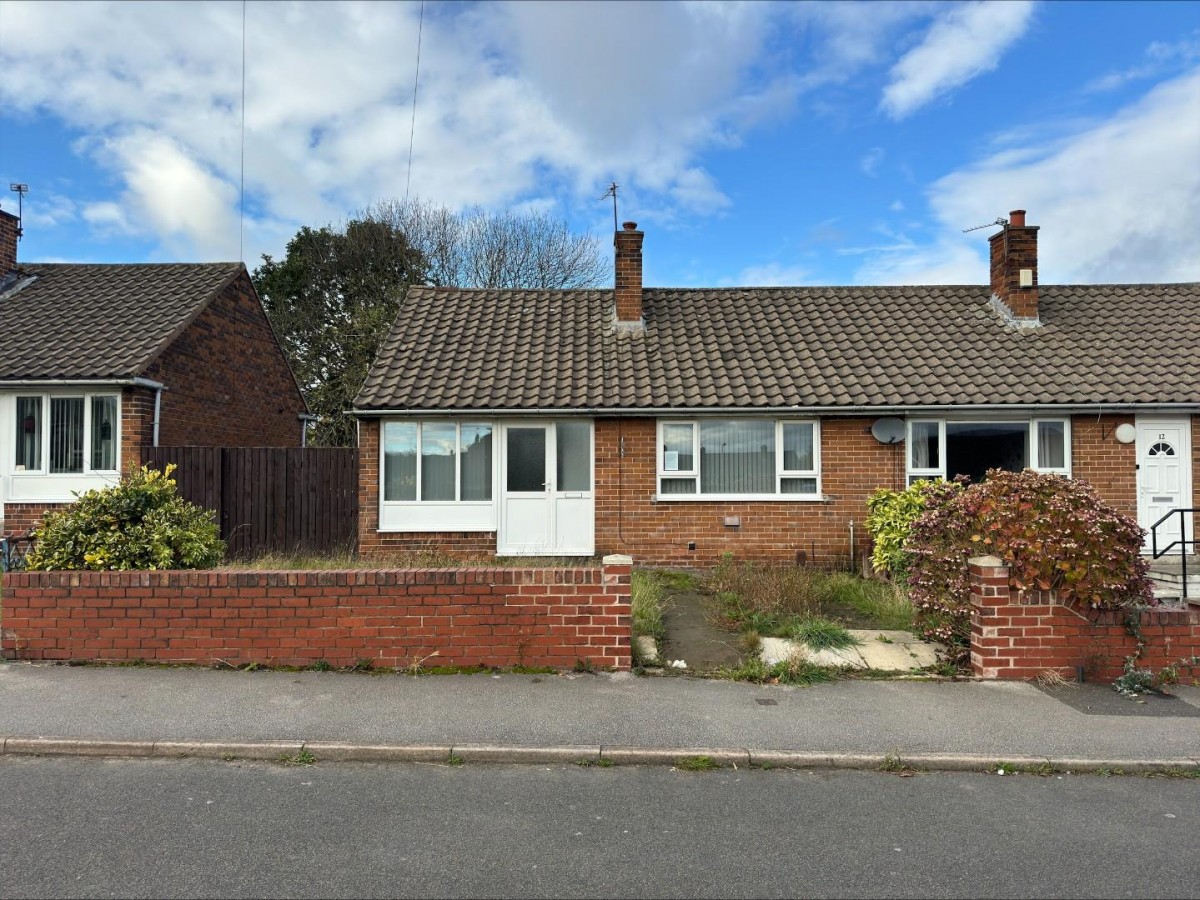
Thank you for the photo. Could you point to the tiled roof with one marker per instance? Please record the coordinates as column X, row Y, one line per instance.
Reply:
column 778, row 347
column 99, row 321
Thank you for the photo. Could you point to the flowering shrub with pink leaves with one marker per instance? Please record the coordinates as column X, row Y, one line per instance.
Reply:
column 1053, row 533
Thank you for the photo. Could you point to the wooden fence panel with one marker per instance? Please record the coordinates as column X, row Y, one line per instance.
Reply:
column 272, row 499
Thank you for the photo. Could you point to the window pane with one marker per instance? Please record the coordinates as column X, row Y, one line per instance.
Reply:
column 678, row 486
column 678, row 455
column 798, row 453
column 66, row 434
column 737, row 457
column 476, row 448
column 29, row 433
column 400, row 461
column 574, row 456
column 798, row 485
column 1052, row 445
column 527, row 459
column 924, row 452
column 438, row 451
column 974, row 447
column 104, row 433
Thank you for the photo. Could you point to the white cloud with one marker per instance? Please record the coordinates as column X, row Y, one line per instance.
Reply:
column 871, row 160
column 1160, row 57
column 1117, row 202
column 960, row 45
column 896, row 206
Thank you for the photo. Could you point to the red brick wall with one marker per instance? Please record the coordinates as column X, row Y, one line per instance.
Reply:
column 1023, row 636
column 228, row 382
column 1098, row 457
column 627, row 521
column 395, row 618
column 853, row 465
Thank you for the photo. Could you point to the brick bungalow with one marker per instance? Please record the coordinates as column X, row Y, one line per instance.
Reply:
column 100, row 362
column 678, row 424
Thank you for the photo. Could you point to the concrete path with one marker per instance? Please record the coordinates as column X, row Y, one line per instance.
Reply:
column 844, row 723
column 883, row 651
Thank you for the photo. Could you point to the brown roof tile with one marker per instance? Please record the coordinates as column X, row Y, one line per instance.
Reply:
column 777, row 347
column 99, row 321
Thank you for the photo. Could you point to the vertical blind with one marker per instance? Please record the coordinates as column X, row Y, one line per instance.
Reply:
column 66, row 434
column 104, row 433
column 29, row 433
column 737, row 457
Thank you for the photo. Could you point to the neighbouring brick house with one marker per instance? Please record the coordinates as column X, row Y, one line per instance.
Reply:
column 100, row 362
column 678, row 424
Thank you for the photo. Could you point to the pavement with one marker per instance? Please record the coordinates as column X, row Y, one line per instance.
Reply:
column 953, row 725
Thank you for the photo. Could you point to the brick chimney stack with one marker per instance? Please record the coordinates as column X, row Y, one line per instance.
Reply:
column 10, row 233
column 1014, row 267
column 628, row 242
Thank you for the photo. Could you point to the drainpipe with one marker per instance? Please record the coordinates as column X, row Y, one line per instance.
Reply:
column 852, row 567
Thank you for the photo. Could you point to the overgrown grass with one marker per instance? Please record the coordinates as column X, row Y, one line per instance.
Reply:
column 820, row 633
column 883, row 601
column 795, row 671
column 425, row 558
column 648, row 604
column 777, row 600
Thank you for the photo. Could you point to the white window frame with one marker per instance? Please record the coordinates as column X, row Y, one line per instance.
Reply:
column 913, row 473
column 43, row 471
column 420, row 423
column 662, row 474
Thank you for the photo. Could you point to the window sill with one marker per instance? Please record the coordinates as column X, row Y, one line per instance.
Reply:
column 739, row 498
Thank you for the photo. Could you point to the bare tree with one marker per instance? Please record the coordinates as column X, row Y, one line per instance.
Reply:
column 477, row 248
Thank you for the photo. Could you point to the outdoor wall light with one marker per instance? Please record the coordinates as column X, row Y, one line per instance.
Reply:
column 1125, row 433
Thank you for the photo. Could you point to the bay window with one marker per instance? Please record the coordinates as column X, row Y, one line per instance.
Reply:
column 738, row 458
column 66, row 435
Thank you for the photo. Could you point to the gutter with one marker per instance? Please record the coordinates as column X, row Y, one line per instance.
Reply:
column 642, row 411
column 83, row 382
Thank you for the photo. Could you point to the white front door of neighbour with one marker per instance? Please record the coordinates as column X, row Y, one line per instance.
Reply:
column 547, row 505
column 1164, row 478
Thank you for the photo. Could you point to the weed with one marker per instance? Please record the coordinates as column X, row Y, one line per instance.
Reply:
column 795, row 671
column 893, row 764
column 597, row 763
column 228, row 757
column 647, row 605
column 820, row 633
column 1052, row 678
column 363, row 664
column 416, row 667
column 584, row 665
column 251, row 667
column 1108, row 773
column 453, row 760
column 884, row 639
column 303, row 758
column 321, row 665
column 696, row 764
column 1173, row 773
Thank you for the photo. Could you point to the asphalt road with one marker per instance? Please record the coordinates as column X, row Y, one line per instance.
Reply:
column 98, row 828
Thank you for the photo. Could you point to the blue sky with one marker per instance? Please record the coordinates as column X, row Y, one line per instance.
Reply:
column 798, row 143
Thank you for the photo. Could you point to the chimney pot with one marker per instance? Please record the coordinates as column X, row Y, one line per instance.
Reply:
column 629, row 226
column 1016, row 218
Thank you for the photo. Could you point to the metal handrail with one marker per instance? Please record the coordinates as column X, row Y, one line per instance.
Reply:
column 1181, row 542
column 13, row 550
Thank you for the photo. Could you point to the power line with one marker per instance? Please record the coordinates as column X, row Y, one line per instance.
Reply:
column 242, row 175
column 412, row 130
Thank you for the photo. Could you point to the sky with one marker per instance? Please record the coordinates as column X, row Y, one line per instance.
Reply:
column 755, row 144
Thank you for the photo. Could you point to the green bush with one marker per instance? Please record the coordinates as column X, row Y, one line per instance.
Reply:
column 1053, row 533
column 141, row 523
column 890, row 515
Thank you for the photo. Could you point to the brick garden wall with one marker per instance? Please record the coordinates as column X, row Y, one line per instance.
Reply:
column 467, row 617
column 1021, row 637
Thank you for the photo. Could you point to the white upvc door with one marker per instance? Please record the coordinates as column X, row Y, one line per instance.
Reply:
column 1164, row 478
column 547, row 501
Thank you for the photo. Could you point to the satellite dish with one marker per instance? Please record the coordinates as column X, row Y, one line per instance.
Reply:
column 888, row 431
